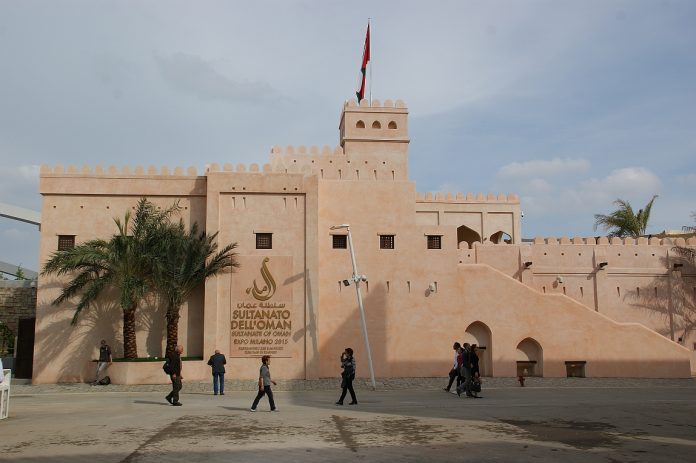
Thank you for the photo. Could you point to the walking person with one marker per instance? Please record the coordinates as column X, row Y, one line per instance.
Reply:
column 104, row 359
column 217, row 362
column 265, row 382
column 466, row 371
column 175, row 367
column 454, row 372
column 347, row 376
column 475, row 373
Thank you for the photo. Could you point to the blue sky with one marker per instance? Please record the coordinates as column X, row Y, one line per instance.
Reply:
column 568, row 104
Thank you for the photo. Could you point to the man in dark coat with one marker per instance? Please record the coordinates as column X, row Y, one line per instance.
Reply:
column 217, row 362
column 174, row 360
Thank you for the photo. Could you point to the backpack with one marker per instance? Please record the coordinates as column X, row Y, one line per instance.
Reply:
column 105, row 381
column 167, row 367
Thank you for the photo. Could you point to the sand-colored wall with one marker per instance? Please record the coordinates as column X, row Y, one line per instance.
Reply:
column 85, row 204
column 639, row 283
column 239, row 206
column 418, row 301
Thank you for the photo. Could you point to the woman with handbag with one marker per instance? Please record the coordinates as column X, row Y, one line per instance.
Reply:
column 265, row 382
column 347, row 375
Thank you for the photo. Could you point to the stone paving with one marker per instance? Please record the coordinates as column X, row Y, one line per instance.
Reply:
column 565, row 420
column 383, row 384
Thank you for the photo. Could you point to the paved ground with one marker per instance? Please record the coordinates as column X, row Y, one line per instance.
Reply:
column 563, row 420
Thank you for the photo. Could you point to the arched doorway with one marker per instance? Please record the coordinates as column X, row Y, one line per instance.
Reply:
column 466, row 234
column 500, row 237
column 530, row 357
column 478, row 333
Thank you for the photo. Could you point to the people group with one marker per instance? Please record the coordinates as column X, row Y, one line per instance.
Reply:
column 465, row 370
column 217, row 361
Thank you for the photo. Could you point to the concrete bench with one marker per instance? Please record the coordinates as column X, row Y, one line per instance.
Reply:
column 5, row 394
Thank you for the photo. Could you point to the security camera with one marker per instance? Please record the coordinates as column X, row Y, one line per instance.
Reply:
column 346, row 282
column 432, row 287
column 559, row 279
column 363, row 277
column 522, row 214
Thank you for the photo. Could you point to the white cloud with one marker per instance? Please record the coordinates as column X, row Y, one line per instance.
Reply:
column 689, row 179
column 19, row 185
column 26, row 174
column 540, row 168
column 634, row 184
column 624, row 183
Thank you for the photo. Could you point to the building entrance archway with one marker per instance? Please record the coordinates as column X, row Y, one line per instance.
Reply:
column 530, row 357
column 478, row 333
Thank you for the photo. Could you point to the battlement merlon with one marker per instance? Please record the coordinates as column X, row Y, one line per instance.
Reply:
column 450, row 197
column 376, row 127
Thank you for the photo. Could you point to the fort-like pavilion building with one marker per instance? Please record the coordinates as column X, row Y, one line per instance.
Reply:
column 441, row 268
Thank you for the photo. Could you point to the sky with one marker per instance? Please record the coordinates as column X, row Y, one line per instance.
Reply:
column 569, row 104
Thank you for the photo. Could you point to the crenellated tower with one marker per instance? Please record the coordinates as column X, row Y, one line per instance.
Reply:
column 378, row 129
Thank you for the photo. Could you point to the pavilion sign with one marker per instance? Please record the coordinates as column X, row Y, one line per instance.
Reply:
column 261, row 316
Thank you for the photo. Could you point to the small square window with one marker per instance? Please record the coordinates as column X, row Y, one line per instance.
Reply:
column 66, row 242
column 434, row 242
column 386, row 241
column 339, row 241
column 264, row 241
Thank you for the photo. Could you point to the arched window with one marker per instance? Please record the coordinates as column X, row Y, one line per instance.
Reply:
column 376, row 125
column 500, row 237
column 360, row 125
column 468, row 236
column 392, row 125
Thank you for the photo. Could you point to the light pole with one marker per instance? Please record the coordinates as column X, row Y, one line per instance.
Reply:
column 356, row 279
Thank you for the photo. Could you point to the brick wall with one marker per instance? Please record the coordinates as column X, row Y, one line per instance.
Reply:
column 17, row 301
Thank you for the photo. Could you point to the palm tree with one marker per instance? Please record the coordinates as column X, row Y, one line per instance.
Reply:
column 687, row 253
column 186, row 259
column 122, row 262
column 623, row 222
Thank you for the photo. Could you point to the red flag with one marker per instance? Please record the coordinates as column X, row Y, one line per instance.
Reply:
column 366, row 58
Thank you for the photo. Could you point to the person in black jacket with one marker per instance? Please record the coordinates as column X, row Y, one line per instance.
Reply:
column 465, row 386
column 217, row 362
column 174, row 360
column 347, row 375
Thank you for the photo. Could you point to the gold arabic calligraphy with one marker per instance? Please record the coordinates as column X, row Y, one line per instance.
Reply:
column 268, row 290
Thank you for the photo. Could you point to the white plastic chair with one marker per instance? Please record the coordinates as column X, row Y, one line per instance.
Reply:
column 5, row 394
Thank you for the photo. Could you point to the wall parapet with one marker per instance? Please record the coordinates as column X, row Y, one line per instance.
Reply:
column 449, row 197
column 615, row 241
column 334, row 164
column 365, row 103
column 125, row 171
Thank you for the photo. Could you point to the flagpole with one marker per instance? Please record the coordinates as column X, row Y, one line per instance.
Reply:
column 370, row 63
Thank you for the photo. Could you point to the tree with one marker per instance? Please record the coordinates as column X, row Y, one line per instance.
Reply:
column 687, row 253
column 184, row 260
column 20, row 273
column 123, row 262
column 623, row 222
